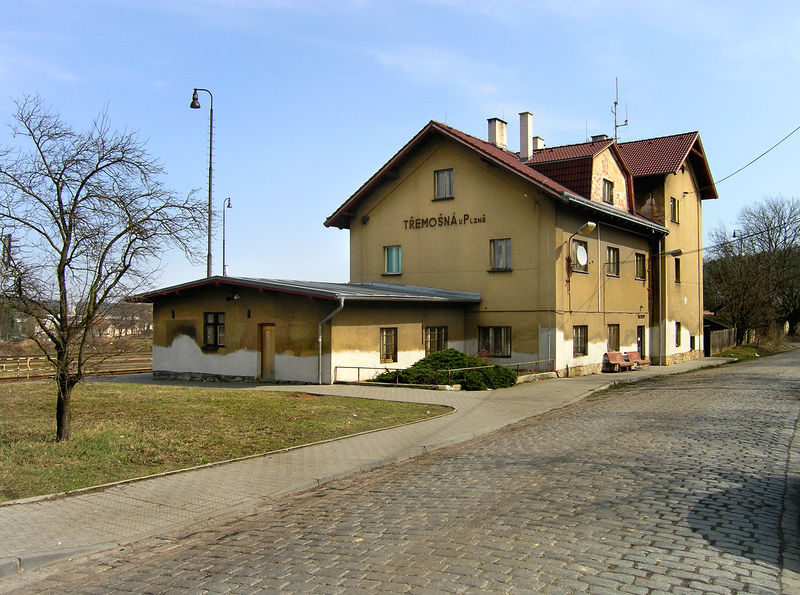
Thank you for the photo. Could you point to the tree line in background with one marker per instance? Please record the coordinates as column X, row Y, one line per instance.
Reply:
column 752, row 274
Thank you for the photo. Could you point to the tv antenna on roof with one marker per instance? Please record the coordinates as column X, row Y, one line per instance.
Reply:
column 614, row 111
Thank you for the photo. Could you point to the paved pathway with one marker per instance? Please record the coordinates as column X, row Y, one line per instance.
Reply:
column 30, row 532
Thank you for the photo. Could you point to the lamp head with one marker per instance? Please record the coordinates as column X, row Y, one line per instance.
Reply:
column 228, row 203
column 587, row 228
column 195, row 104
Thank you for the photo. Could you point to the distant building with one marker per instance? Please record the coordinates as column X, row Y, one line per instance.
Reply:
column 554, row 255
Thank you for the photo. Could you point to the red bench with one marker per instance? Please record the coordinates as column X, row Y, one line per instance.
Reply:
column 635, row 358
column 617, row 362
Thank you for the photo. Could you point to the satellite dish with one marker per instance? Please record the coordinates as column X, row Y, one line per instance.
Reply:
column 581, row 256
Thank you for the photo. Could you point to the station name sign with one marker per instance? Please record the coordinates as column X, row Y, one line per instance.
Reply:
column 443, row 220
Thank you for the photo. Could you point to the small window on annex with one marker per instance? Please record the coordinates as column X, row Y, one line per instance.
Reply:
column 678, row 330
column 613, row 262
column 214, row 329
column 392, row 260
column 495, row 340
column 677, row 270
column 580, row 340
column 641, row 266
column 388, row 345
column 608, row 191
column 580, row 256
column 442, row 184
column 674, row 210
column 435, row 339
column 613, row 337
column 500, row 254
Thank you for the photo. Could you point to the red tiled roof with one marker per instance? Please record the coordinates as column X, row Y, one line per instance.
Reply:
column 575, row 174
column 666, row 154
column 563, row 152
column 660, row 155
column 505, row 159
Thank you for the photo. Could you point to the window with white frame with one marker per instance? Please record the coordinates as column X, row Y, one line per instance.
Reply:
column 442, row 184
column 608, row 191
column 500, row 254
column 392, row 260
column 612, row 266
column 435, row 339
column 674, row 210
column 495, row 340
column 388, row 345
column 580, row 340
column 214, row 329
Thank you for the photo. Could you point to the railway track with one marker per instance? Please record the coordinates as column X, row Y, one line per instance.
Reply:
column 37, row 367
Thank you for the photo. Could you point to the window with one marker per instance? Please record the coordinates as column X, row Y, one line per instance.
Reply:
column 495, row 340
column 393, row 260
column 691, row 343
column 641, row 266
column 435, row 339
column 608, row 191
column 443, row 184
column 613, row 337
column 677, row 270
column 580, row 256
column 674, row 210
column 580, row 340
column 613, row 262
column 677, row 334
column 501, row 254
column 214, row 329
column 388, row 345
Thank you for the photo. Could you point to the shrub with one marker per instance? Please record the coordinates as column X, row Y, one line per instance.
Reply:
column 424, row 372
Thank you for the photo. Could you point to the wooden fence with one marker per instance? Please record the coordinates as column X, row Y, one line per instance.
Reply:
column 718, row 341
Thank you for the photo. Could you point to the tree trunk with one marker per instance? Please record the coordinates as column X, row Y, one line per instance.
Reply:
column 63, row 408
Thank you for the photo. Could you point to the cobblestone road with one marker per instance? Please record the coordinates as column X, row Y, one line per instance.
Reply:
column 676, row 485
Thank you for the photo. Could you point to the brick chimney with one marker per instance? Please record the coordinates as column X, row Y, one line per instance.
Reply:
column 497, row 132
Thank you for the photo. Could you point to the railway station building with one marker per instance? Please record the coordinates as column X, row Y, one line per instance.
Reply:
column 547, row 256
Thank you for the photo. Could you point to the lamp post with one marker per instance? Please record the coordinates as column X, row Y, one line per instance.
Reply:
column 226, row 204
column 195, row 104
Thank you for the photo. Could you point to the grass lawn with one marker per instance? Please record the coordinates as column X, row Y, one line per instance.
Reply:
column 746, row 352
column 121, row 431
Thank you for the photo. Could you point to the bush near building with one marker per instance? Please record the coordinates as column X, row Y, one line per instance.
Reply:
column 432, row 370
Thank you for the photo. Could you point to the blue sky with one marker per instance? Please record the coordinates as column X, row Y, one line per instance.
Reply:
column 311, row 98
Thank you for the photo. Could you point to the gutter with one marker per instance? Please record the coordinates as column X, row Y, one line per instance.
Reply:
column 319, row 339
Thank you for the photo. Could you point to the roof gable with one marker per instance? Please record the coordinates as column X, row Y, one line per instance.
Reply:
column 504, row 159
column 666, row 154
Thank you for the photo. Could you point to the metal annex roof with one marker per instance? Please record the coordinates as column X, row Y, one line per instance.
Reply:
column 322, row 290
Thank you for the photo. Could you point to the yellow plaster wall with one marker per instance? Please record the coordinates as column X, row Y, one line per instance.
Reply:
column 684, row 300
column 489, row 204
column 295, row 319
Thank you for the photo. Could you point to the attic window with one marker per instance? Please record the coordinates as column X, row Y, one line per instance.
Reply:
column 443, row 184
column 608, row 191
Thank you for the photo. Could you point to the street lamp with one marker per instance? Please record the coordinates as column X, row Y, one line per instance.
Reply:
column 226, row 204
column 195, row 104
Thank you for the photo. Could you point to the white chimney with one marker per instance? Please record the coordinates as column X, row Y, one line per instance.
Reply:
column 497, row 132
column 538, row 143
column 525, row 135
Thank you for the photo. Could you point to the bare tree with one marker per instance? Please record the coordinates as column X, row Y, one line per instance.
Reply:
column 83, row 216
column 752, row 277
